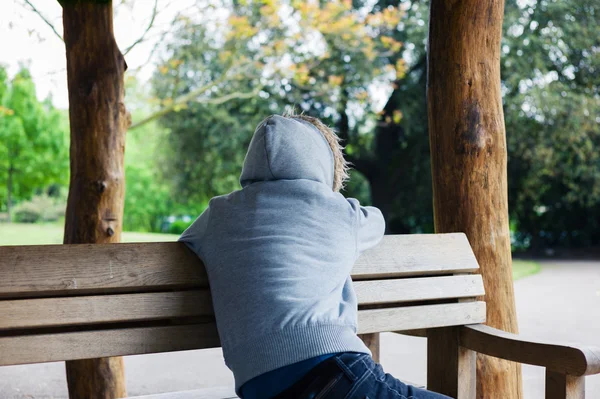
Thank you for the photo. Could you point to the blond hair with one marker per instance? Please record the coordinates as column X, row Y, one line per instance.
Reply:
column 341, row 166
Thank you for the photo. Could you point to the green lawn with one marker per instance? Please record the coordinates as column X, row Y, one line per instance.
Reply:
column 523, row 268
column 37, row 234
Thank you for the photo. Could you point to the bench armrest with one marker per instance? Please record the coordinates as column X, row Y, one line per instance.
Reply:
column 575, row 360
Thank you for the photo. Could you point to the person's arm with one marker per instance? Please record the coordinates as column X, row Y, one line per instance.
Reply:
column 370, row 225
column 194, row 235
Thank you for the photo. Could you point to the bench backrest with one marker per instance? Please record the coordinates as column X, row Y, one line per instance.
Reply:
column 66, row 302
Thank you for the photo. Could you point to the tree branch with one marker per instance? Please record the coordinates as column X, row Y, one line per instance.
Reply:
column 143, row 36
column 38, row 12
column 189, row 97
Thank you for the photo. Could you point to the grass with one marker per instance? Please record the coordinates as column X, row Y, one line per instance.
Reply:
column 38, row 234
column 522, row 268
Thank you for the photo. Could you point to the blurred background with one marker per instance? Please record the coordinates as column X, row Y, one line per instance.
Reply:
column 202, row 74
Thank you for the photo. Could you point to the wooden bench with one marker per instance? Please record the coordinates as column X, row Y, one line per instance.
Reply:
column 66, row 302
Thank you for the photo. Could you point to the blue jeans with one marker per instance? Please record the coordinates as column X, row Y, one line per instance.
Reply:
column 353, row 376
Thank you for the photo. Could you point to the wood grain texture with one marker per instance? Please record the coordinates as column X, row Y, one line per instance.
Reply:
column 98, row 122
column 95, row 309
column 95, row 344
column 88, row 310
column 56, row 270
column 450, row 368
column 373, row 342
column 36, row 348
column 566, row 359
column 53, row 270
column 469, row 158
column 418, row 289
column 560, row 386
column 209, row 393
column 412, row 255
column 414, row 317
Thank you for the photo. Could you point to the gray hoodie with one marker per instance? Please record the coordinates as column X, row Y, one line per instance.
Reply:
column 279, row 253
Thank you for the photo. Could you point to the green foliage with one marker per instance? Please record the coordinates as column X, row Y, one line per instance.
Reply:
column 40, row 208
column 179, row 226
column 33, row 140
column 148, row 200
column 257, row 63
column 552, row 102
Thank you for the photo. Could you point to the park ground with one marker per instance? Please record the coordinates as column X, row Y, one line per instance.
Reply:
column 556, row 300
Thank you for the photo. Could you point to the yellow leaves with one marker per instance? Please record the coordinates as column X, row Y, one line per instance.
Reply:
column 389, row 18
column 279, row 46
column 397, row 116
column 270, row 12
column 241, row 28
column 335, row 80
column 400, row 68
column 362, row 95
column 175, row 63
column 163, row 69
column 301, row 74
column 6, row 111
column 391, row 43
column 225, row 56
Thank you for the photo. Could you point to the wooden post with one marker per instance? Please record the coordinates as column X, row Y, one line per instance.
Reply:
column 468, row 159
column 450, row 368
column 99, row 120
column 561, row 386
column 372, row 341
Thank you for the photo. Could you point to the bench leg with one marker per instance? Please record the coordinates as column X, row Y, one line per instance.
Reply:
column 561, row 386
column 372, row 342
column 450, row 368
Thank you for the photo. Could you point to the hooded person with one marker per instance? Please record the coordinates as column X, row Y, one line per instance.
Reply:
column 278, row 254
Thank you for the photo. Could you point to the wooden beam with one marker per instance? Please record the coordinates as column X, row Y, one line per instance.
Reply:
column 468, row 157
column 373, row 342
column 572, row 359
column 39, row 348
column 98, row 120
column 426, row 316
column 450, row 368
column 561, row 386
column 87, row 269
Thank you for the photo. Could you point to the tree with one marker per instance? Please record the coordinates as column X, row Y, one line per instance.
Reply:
column 551, row 59
column 33, row 149
column 225, row 76
column 468, row 160
column 99, row 119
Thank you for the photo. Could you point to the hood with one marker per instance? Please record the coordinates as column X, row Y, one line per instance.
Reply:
column 287, row 149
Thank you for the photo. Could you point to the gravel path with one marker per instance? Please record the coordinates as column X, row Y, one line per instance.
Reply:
column 562, row 302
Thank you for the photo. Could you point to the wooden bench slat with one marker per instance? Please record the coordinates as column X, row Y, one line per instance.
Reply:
column 427, row 316
column 417, row 254
column 87, row 310
column 57, row 270
column 418, row 289
column 40, row 348
column 66, row 311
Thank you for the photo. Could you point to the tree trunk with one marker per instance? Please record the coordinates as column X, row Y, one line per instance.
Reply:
column 9, row 190
column 99, row 120
column 468, row 157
